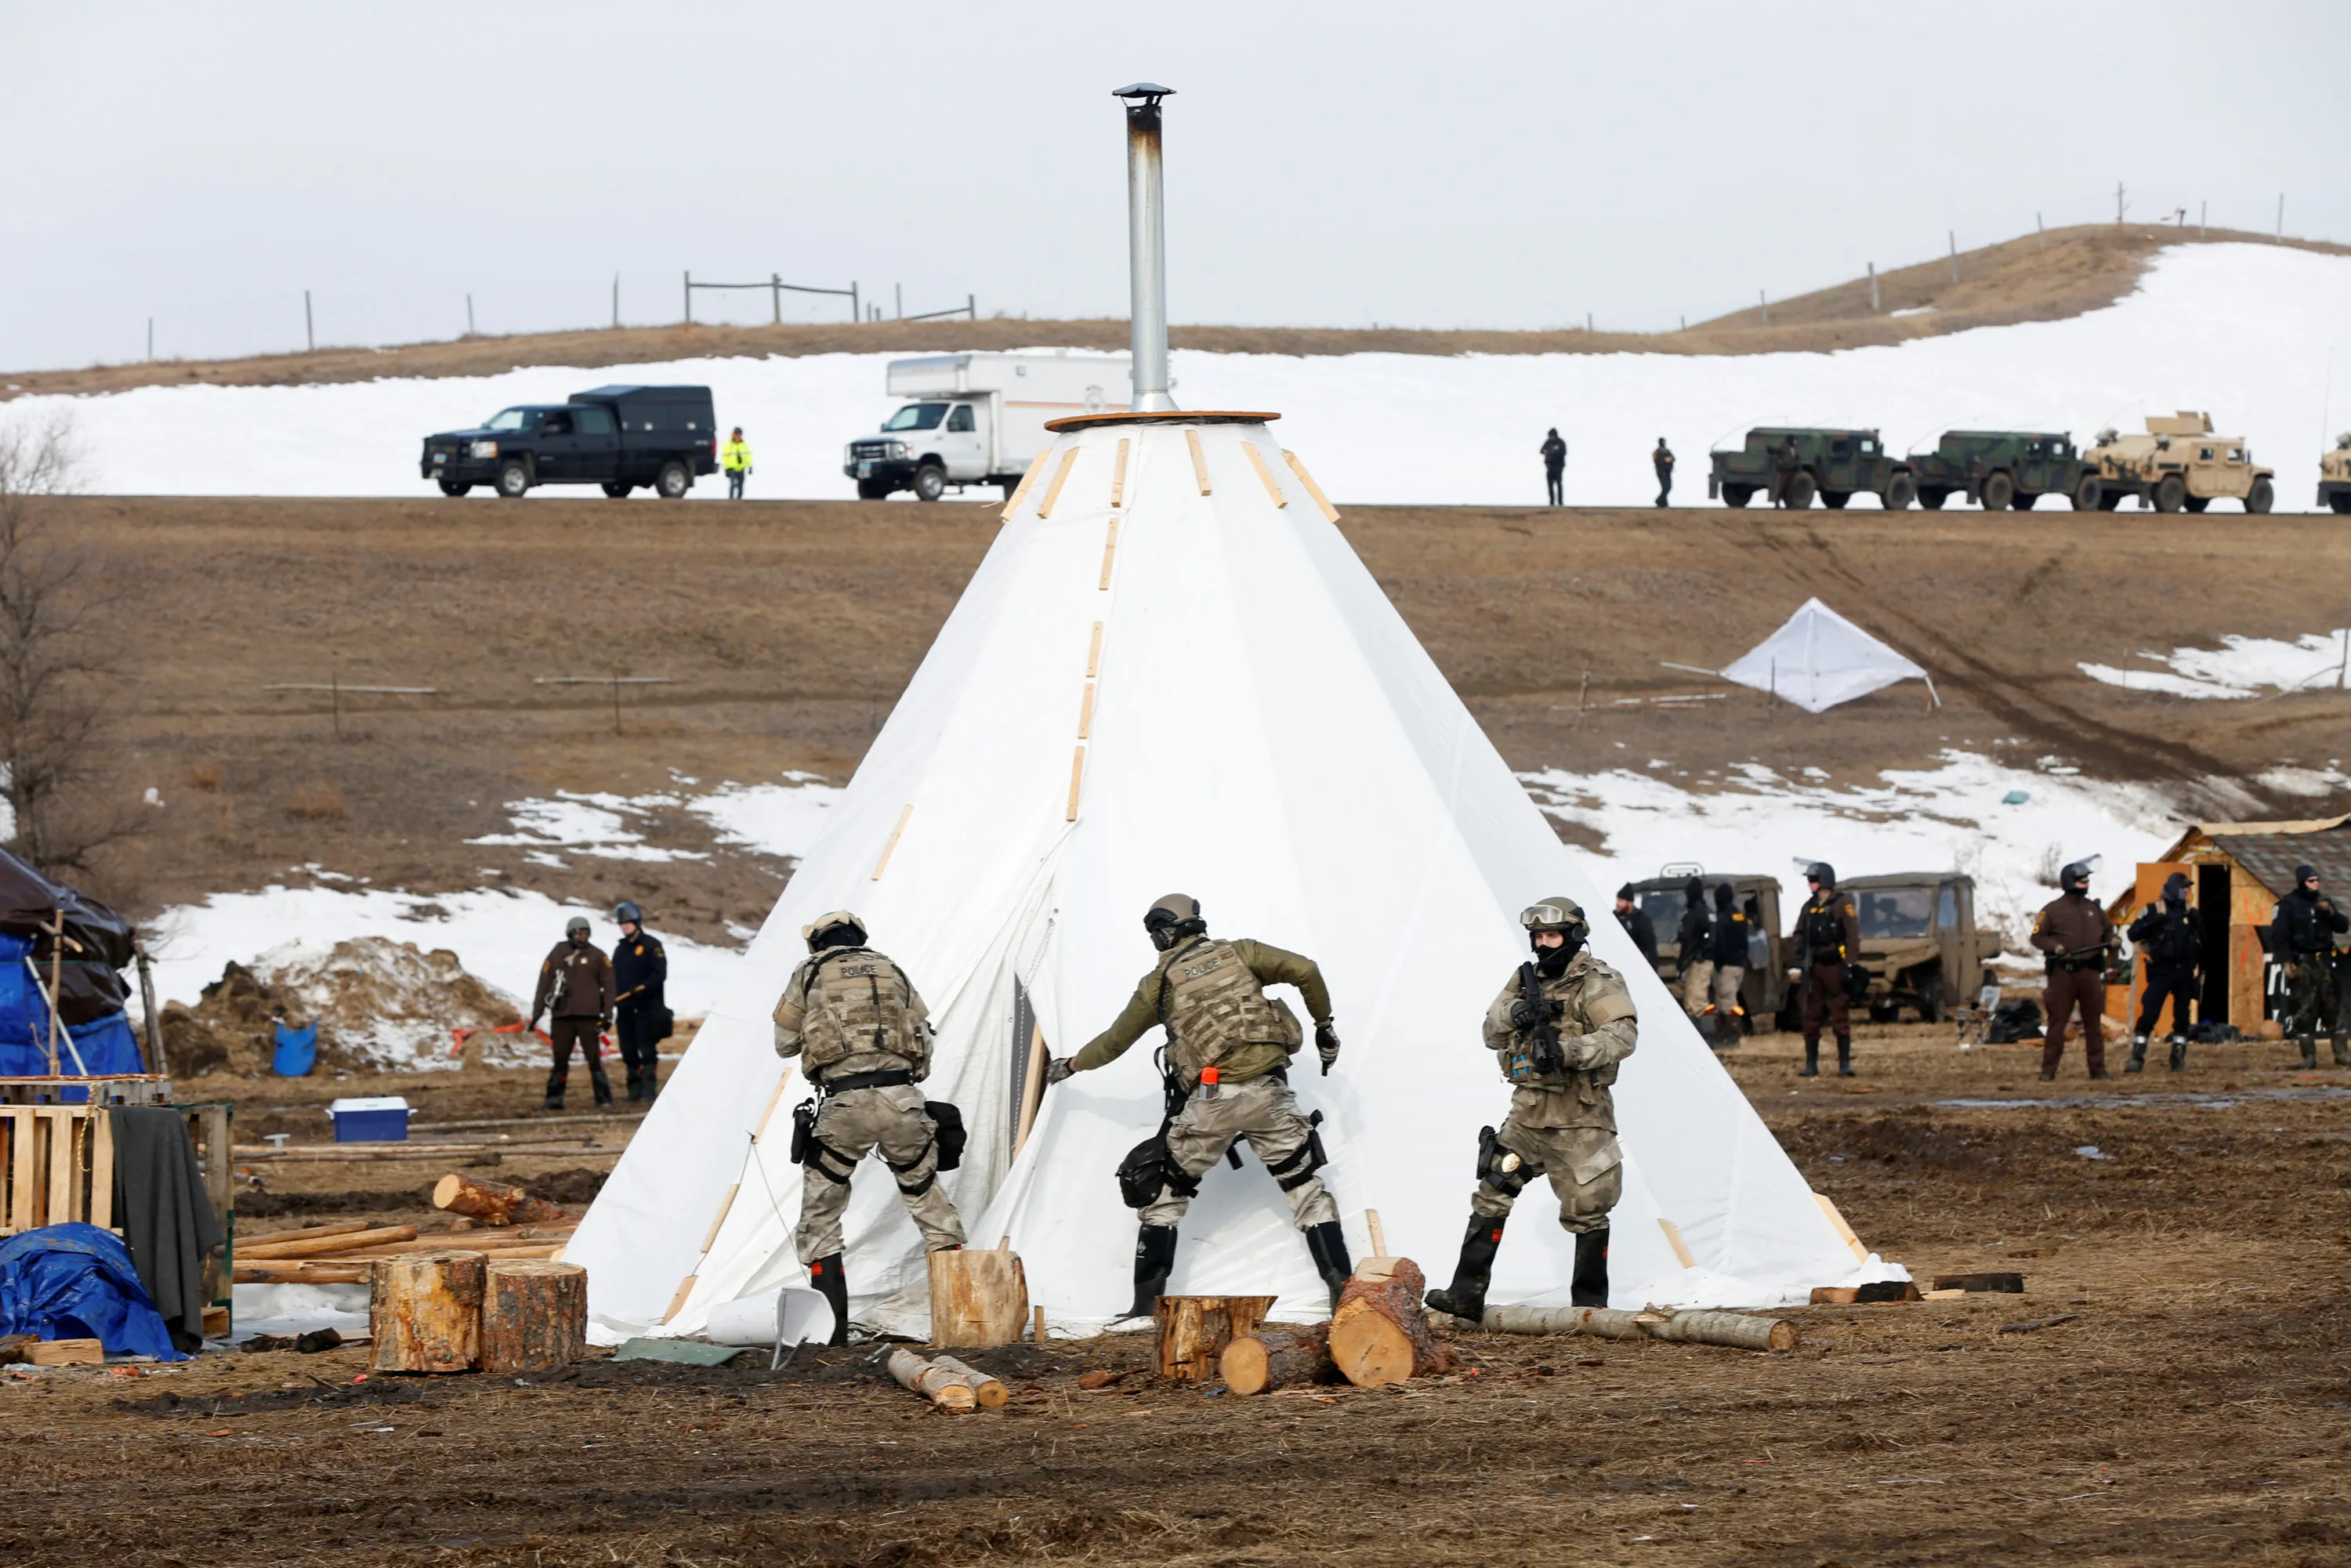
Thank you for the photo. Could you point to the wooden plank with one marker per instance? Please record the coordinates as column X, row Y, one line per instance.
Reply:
column 1860, row 1253
column 719, row 1218
column 1032, row 1088
column 891, row 847
column 684, row 1289
column 1199, row 459
column 1257, row 460
column 1086, row 711
column 783, row 1081
column 58, row 1202
column 1118, row 476
column 1674, row 1240
column 67, row 1352
column 1330, row 512
column 1077, row 777
column 1029, row 477
column 1093, row 654
column 1060, row 478
column 101, row 1169
column 1110, row 554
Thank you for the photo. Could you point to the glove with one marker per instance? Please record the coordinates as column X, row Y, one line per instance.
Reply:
column 1058, row 1070
column 1326, row 1046
column 1526, row 1012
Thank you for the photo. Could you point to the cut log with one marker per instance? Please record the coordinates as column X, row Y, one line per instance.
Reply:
column 1195, row 1330
column 1741, row 1331
column 306, row 1233
column 534, row 1315
column 496, row 1244
column 1275, row 1358
column 494, row 1203
column 978, row 1298
column 990, row 1392
column 2008, row 1284
column 936, row 1384
column 1379, row 1330
column 425, row 1311
column 302, row 1271
column 1876, row 1291
column 324, row 1246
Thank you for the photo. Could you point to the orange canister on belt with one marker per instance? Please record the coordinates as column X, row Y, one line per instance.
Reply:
column 1208, row 1082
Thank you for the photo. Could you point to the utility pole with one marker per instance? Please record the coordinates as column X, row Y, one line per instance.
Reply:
column 689, row 299
column 2041, row 231
column 310, row 331
column 1764, row 300
column 1587, row 320
column 469, row 315
column 2118, row 203
column 775, row 296
column 150, row 340
column 1872, row 288
column 2200, row 207
column 1954, row 235
column 2281, row 228
column 901, row 296
column 616, row 302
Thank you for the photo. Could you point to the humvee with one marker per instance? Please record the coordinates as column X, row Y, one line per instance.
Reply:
column 1997, row 468
column 2335, row 475
column 1764, row 991
column 1920, row 942
column 1834, row 465
column 2177, row 464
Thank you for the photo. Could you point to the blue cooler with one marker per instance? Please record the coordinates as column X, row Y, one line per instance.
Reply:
column 376, row 1119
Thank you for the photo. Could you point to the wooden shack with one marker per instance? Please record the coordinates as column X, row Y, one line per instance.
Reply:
column 2236, row 873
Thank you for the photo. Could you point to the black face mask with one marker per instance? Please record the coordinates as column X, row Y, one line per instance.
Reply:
column 1551, row 962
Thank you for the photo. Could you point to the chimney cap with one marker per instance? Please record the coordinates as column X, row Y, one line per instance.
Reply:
column 1149, row 92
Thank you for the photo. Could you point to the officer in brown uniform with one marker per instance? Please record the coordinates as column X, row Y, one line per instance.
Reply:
column 863, row 1037
column 2075, row 936
column 1558, row 1031
column 1228, row 1050
column 1785, row 466
column 574, row 992
column 1828, row 938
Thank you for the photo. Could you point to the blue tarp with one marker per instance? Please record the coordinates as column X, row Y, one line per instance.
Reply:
column 298, row 1050
column 106, row 1044
column 76, row 1282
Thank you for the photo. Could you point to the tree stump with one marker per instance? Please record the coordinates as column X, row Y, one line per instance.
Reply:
column 425, row 1311
column 1379, row 1330
column 1279, row 1358
column 978, row 1299
column 494, row 1203
column 534, row 1315
column 1195, row 1330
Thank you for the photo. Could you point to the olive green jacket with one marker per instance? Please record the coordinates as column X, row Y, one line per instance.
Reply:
column 1271, row 965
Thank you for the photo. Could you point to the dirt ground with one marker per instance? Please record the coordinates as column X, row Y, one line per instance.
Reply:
column 2035, row 277
column 2170, row 1388
column 789, row 629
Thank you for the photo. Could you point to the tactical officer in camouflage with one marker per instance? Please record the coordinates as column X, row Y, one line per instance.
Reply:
column 1828, row 936
column 1228, row 1050
column 865, row 1038
column 1558, row 1029
column 2301, row 938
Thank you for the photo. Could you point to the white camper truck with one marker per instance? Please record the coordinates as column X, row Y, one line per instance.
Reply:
column 978, row 419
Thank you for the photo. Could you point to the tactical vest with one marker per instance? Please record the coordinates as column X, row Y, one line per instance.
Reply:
column 1212, row 1005
column 2176, row 941
column 1824, row 926
column 859, row 1004
column 1590, row 1085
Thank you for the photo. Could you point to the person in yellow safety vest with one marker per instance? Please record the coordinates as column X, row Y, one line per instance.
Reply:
column 736, row 458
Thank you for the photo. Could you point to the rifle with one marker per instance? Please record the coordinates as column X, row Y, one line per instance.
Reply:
column 1547, row 1058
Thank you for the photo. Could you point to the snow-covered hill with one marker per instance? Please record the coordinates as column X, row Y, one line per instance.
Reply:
column 2253, row 333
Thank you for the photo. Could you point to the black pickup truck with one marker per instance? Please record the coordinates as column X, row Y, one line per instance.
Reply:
column 618, row 438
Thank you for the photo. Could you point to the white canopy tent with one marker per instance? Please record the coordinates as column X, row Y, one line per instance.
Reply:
column 1819, row 659
column 1172, row 673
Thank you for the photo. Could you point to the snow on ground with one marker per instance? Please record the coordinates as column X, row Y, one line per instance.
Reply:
column 2240, row 667
column 2245, row 331
column 1954, row 817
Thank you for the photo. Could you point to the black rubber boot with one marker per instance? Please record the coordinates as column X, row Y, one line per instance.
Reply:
column 1155, row 1260
column 1327, row 1245
column 2179, row 1052
column 552, row 1102
column 2137, row 1062
column 2309, row 1044
column 603, row 1084
column 1845, row 1056
column 1811, row 1067
column 2342, row 1050
column 1466, row 1297
column 1590, row 1285
column 826, row 1280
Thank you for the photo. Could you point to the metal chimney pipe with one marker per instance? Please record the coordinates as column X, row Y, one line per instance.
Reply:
column 1146, row 240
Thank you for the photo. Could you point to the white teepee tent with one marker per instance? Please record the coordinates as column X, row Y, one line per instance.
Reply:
column 1818, row 659
column 1172, row 674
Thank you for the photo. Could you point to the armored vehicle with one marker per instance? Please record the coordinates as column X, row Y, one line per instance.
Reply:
column 1764, row 991
column 1834, row 465
column 2177, row 464
column 1997, row 469
column 2335, row 475
column 1920, row 942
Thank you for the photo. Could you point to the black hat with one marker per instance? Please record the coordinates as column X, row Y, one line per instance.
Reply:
column 1625, row 892
column 2304, row 873
column 1723, row 896
column 2175, row 885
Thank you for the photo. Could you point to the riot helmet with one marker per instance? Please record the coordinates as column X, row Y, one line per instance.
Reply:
column 2075, row 878
column 1172, row 919
column 628, row 914
column 1822, row 873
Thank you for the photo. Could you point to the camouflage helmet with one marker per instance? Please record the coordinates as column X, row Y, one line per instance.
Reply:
column 1558, row 913
column 1172, row 919
column 824, row 925
column 576, row 927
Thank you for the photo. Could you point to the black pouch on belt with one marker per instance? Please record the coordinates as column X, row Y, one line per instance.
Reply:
column 803, row 1131
column 948, row 1122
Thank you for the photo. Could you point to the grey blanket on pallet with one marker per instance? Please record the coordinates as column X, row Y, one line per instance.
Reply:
column 164, row 1213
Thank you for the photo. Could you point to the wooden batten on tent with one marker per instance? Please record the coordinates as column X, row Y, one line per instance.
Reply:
column 2236, row 873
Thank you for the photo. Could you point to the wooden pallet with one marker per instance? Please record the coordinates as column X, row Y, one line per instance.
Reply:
column 126, row 1089
column 57, row 1167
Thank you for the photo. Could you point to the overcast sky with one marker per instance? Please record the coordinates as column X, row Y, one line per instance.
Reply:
column 1502, row 165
